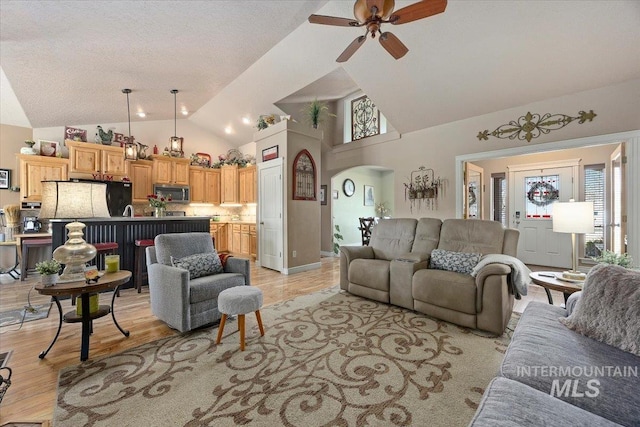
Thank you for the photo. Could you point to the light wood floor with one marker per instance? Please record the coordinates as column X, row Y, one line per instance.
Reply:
column 32, row 394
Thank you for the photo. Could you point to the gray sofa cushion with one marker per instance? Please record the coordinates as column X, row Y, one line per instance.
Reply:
column 463, row 235
column 508, row 403
column 460, row 262
column 209, row 287
column 447, row 289
column 180, row 245
column 199, row 265
column 392, row 238
column 609, row 310
column 427, row 235
column 540, row 342
column 372, row 273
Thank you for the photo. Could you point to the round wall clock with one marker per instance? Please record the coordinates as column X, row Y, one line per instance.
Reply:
column 348, row 187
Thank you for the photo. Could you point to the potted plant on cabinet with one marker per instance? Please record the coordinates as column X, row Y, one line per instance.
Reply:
column 316, row 112
column 49, row 271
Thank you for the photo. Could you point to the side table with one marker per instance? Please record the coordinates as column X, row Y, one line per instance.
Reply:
column 549, row 281
column 106, row 282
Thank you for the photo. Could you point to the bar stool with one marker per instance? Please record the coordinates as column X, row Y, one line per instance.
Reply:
column 26, row 245
column 140, row 274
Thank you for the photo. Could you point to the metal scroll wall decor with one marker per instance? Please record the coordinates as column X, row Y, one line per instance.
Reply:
column 304, row 177
column 422, row 189
column 365, row 118
column 532, row 126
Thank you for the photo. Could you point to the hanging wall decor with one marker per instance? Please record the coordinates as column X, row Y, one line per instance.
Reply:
column 365, row 118
column 304, row 177
column 422, row 189
column 532, row 126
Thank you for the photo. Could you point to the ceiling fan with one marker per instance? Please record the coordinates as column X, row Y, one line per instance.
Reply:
column 372, row 14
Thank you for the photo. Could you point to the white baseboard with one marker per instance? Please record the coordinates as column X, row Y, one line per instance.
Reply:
column 301, row 268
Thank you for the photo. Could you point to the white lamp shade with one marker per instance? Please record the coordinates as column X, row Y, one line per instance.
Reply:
column 69, row 199
column 572, row 217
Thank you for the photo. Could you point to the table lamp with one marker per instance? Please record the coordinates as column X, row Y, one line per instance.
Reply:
column 573, row 217
column 69, row 199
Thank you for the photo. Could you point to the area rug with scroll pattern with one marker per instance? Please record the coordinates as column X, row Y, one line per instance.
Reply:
column 328, row 358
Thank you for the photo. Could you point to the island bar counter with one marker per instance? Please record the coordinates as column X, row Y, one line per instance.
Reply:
column 125, row 231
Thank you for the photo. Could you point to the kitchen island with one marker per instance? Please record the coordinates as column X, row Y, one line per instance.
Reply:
column 125, row 231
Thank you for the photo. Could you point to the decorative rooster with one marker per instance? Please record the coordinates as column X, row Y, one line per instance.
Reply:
column 105, row 137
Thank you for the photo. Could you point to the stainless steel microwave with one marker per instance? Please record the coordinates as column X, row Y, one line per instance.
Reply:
column 178, row 193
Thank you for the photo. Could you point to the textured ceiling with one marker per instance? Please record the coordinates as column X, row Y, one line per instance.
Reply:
column 68, row 61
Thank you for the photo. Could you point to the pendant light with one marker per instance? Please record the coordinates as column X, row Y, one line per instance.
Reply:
column 175, row 143
column 130, row 149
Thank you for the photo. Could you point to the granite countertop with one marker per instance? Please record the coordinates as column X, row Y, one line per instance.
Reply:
column 234, row 222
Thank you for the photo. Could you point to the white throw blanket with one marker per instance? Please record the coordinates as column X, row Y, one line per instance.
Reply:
column 519, row 272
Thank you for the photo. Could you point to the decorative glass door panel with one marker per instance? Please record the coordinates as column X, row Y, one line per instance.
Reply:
column 540, row 192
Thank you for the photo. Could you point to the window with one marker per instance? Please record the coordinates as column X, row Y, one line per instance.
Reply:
column 362, row 118
column 499, row 201
column 594, row 192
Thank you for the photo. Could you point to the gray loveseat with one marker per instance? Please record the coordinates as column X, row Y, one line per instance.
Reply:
column 394, row 269
column 181, row 302
column 524, row 393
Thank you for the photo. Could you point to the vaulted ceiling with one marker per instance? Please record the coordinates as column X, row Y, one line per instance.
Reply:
column 68, row 61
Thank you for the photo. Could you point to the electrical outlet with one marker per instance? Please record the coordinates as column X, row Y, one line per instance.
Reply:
column 294, row 254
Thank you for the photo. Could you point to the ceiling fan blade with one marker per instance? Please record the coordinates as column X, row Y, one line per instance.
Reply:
column 422, row 9
column 351, row 49
column 393, row 45
column 333, row 20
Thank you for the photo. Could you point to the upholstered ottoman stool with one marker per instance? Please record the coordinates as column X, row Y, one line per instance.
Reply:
column 239, row 300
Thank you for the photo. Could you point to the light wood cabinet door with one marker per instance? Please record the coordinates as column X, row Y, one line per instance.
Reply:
column 181, row 172
column 113, row 162
column 211, row 186
column 229, row 184
column 162, row 170
column 197, row 180
column 140, row 172
column 245, row 243
column 168, row 170
column 34, row 169
column 85, row 158
column 247, row 184
column 222, row 243
column 253, row 243
column 236, row 238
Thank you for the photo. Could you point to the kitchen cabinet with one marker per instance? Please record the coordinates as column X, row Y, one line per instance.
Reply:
column 34, row 169
column 253, row 243
column 243, row 240
column 219, row 232
column 205, row 185
column 170, row 170
column 229, row 184
column 247, row 185
column 140, row 172
column 95, row 161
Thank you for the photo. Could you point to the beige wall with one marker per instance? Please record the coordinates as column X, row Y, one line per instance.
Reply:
column 11, row 141
column 617, row 108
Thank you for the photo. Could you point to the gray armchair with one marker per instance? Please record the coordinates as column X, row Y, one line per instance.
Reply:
column 183, row 303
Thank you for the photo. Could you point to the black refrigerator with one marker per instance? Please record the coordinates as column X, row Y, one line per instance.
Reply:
column 119, row 195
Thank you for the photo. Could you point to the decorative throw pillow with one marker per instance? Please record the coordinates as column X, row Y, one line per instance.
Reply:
column 609, row 310
column 199, row 265
column 460, row 262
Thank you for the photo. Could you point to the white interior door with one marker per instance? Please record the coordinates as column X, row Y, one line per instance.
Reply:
column 270, row 214
column 617, row 217
column 473, row 191
column 531, row 195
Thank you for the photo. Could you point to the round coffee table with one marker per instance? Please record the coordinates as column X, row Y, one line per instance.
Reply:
column 549, row 281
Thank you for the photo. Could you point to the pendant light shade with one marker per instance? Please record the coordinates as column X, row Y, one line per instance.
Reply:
column 130, row 149
column 175, row 143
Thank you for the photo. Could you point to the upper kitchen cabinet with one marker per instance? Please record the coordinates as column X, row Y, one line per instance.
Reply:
column 95, row 161
column 247, row 185
column 229, row 184
column 170, row 170
column 34, row 169
column 140, row 173
column 205, row 185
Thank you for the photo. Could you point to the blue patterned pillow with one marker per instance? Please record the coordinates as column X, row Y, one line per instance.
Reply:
column 460, row 262
column 199, row 265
